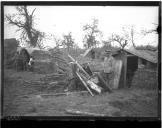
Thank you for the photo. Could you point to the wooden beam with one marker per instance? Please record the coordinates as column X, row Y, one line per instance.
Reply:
column 92, row 84
column 64, row 93
column 125, row 70
column 84, row 83
column 87, row 76
column 80, row 67
column 76, row 112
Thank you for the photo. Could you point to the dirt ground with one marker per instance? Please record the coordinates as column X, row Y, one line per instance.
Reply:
column 24, row 100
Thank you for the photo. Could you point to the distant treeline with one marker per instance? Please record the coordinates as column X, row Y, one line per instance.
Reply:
column 146, row 47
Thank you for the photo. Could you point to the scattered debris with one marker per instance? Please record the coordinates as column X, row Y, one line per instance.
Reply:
column 86, row 78
column 68, row 73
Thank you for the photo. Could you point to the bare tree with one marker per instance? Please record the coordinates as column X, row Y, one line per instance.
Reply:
column 25, row 23
column 120, row 39
column 156, row 30
column 58, row 41
column 129, row 33
column 68, row 41
column 92, row 32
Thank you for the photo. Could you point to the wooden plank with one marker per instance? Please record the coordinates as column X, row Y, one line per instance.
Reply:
column 80, row 67
column 76, row 112
column 64, row 93
column 84, row 83
column 92, row 84
column 125, row 70
column 117, row 73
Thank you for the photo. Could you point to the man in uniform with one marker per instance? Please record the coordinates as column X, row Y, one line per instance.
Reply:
column 107, row 72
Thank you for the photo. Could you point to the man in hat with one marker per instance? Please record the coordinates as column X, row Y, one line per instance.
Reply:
column 108, row 63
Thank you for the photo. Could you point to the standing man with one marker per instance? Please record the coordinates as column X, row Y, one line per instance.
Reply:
column 107, row 72
column 108, row 62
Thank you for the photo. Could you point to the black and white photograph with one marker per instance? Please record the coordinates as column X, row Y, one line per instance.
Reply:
column 80, row 61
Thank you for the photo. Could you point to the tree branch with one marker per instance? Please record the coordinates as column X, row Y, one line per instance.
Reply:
column 33, row 12
column 11, row 21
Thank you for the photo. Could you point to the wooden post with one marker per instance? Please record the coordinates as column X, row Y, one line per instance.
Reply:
column 125, row 69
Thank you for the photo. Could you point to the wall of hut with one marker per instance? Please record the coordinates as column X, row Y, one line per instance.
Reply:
column 142, row 63
column 150, row 65
column 129, row 66
column 122, row 56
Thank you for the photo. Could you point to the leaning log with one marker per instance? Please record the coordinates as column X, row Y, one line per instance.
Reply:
column 84, row 83
column 80, row 67
column 91, row 84
column 64, row 93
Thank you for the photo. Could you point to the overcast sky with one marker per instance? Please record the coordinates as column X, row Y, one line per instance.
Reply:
column 59, row 20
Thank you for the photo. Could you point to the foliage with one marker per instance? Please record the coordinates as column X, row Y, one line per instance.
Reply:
column 92, row 32
column 25, row 23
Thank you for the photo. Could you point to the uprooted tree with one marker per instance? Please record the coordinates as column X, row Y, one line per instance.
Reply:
column 92, row 32
column 24, row 20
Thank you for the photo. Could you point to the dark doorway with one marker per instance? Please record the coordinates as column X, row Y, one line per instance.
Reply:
column 132, row 65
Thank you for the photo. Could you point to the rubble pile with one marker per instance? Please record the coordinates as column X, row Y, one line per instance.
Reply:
column 47, row 62
column 73, row 76
column 62, row 69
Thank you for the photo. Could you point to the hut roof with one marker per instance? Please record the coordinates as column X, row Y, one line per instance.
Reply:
column 144, row 54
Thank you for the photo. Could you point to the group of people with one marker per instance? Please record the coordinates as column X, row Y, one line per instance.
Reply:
column 23, row 61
